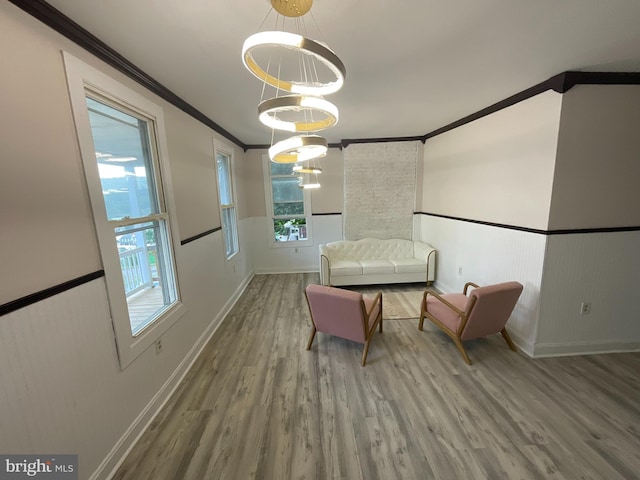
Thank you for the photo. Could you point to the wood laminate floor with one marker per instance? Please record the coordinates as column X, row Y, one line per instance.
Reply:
column 257, row 405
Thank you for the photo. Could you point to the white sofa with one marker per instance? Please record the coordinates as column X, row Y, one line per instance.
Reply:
column 372, row 261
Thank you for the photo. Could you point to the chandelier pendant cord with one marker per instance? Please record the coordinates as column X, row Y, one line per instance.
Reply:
column 264, row 80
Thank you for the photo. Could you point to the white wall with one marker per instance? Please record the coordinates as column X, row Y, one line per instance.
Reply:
column 279, row 258
column 44, row 204
column 61, row 386
column 544, row 168
column 599, row 268
column 595, row 186
column 498, row 168
column 487, row 255
column 598, row 167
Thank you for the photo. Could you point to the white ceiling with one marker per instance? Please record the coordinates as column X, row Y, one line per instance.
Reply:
column 412, row 65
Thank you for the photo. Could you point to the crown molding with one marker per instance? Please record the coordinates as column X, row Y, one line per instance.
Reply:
column 55, row 19
column 62, row 24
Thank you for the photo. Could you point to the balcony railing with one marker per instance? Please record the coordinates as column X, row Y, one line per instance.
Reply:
column 137, row 271
column 145, row 297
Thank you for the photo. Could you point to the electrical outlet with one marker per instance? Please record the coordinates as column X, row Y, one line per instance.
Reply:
column 159, row 346
column 459, row 271
column 585, row 308
column 296, row 250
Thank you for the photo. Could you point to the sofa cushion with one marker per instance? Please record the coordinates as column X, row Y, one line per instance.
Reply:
column 409, row 265
column 376, row 267
column 345, row 267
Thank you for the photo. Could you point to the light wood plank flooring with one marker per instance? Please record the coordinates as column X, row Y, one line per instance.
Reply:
column 256, row 404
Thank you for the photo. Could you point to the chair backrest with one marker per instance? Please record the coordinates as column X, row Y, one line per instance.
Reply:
column 491, row 310
column 337, row 312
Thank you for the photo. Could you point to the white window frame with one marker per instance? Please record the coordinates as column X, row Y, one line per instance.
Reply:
column 83, row 78
column 268, row 193
column 222, row 149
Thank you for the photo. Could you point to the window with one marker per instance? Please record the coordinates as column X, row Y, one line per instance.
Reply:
column 226, row 194
column 288, row 205
column 122, row 143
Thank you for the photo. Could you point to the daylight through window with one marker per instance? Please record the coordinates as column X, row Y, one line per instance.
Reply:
column 227, row 203
column 289, row 210
column 125, row 153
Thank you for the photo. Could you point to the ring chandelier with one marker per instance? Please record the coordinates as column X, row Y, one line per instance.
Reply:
column 298, row 149
column 302, row 109
column 306, row 46
column 268, row 111
column 306, row 169
column 308, row 184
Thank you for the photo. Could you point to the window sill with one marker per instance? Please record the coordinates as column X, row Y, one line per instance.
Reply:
column 132, row 347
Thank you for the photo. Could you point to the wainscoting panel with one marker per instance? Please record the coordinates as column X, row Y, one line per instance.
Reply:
column 61, row 386
column 289, row 258
column 57, row 364
column 379, row 190
column 602, row 269
column 468, row 252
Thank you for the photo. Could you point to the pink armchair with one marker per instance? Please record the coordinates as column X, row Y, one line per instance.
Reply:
column 344, row 314
column 484, row 311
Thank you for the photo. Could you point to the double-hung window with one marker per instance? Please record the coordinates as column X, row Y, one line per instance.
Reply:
column 122, row 142
column 226, row 194
column 288, row 206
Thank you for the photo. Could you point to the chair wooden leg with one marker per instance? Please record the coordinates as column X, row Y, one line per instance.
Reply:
column 365, row 352
column 462, row 351
column 313, row 334
column 422, row 310
column 507, row 339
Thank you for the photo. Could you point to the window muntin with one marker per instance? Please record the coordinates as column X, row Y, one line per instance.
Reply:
column 227, row 203
column 124, row 143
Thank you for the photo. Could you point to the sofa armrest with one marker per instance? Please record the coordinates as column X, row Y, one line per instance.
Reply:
column 325, row 273
column 426, row 252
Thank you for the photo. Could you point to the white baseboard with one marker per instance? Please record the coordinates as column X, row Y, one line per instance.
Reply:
column 541, row 350
column 583, row 348
column 441, row 287
column 524, row 346
column 123, row 446
column 277, row 270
